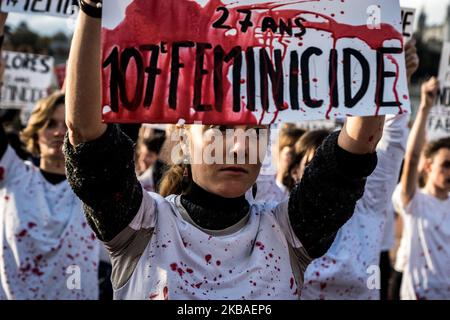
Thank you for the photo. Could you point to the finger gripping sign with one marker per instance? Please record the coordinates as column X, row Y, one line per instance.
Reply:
column 251, row 61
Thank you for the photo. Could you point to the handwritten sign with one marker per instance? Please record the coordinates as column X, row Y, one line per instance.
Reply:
column 251, row 61
column 26, row 80
column 58, row 8
column 438, row 125
column 439, row 118
column 408, row 18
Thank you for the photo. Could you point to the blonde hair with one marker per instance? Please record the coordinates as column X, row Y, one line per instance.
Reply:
column 39, row 119
column 174, row 181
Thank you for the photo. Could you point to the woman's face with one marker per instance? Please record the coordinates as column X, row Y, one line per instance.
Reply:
column 285, row 159
column 145, row 158
column 51, row 137
column 229, row 168
column 438, row 170
column 297, row 173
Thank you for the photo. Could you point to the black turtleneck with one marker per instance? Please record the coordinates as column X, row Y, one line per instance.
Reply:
column 213, row 212
column 53, row 178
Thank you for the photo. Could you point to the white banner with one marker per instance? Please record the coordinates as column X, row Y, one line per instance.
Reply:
column 26, row 80
column 57, row 8
column 439, row 119
column 408, row 19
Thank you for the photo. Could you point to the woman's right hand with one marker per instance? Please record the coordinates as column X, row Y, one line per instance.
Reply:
column 429, row 92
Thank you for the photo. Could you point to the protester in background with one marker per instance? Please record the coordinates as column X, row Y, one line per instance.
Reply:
column 304, row 150
column 289, row 135
column 208, row 242
column 45, row 237
column 269, row 186
column 150, row 168
column 425, row 212
column 349, row 268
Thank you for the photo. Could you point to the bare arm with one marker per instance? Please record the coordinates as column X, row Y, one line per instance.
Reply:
column 416, row 141
column 361, row 135
column 99, row 158
column 83, row 99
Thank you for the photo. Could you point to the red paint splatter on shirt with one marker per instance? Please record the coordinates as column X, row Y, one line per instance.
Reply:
column 31, row 225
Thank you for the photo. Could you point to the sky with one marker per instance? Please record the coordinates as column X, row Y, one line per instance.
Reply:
column 435, row 9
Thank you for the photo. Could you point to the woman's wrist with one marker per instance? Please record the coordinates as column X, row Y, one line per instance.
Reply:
column 425, row 106
column 92, row 8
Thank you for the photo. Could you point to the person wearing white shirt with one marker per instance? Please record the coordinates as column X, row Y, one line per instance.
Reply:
column 426, row 211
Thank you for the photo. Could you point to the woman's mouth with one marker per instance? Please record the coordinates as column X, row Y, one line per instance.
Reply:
column 233, row 170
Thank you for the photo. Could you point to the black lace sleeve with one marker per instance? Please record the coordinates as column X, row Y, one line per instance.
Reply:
column 326, row 196
column 102, row 175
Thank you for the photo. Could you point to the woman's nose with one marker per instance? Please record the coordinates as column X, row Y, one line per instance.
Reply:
column 238, row 149
column 60, row 130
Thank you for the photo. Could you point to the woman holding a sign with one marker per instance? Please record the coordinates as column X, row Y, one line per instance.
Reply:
column 425, row 211
column 208, row 242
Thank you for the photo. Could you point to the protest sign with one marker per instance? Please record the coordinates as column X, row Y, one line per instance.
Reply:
column 439, row 118
column 408, row 18
column 57, row 8
column 26, row 80
column 438, row 125
column 251, row 61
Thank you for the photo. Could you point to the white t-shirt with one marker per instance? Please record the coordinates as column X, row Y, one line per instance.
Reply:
column 388, row 240
column 350, row 268
column 47, row 250
column 182, row 261
column 268, row 190
column 146, row 180
column 426, row 274
column 402, row 255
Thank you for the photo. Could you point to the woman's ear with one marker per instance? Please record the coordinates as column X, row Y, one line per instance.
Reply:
column 427, row 164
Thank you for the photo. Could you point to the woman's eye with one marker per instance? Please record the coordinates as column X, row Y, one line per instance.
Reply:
column 51, row 124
